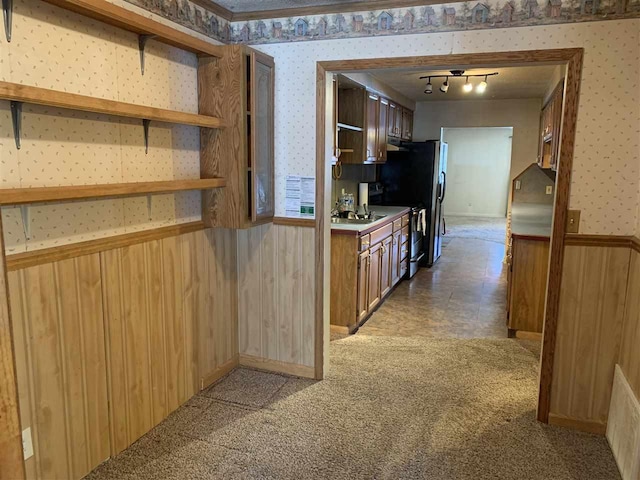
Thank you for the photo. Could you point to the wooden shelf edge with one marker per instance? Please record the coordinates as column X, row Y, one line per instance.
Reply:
column 21, row 196
column 128, row 20
column 18, row 261
column 73, row 101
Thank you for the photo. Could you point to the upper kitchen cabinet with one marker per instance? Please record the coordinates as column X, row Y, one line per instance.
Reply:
column 550, row 125
column 351, row 124
column 244, row 151
column 407, row 124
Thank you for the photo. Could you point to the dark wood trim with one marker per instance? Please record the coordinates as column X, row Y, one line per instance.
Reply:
column 294, row 222
column 635, row 244
column 576, row 424
column 321, row 182
column 556, row 255
column 572, row 57
column 47, row 255
column 535, row 238
column 611, row 241
column 11, row 458
column 328, row 9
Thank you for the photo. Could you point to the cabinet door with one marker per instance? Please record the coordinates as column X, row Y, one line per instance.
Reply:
column 374, row 276
column 398, row 121
column 261, row 148
column 385, row 266
column 383, row 119
column 363, row 285
column 395, row 258
column 372, row 127
column 407, row 124
column 391, row 131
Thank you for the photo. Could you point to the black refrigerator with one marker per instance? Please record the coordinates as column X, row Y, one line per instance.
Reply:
column 416, row 176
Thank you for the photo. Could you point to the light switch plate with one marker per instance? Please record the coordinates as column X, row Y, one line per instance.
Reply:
column 27, row 443
column 573, row 221
column 518, row 185
column 549, row 190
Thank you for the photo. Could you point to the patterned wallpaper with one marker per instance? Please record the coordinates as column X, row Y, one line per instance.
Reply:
column 606, row 162
column 445, row 17
column 57, row 49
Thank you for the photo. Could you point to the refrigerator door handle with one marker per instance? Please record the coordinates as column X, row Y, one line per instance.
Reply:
column 444, row 186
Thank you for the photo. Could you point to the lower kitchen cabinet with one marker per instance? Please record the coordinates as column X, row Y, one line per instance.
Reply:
column 528, row 265
column 364, row 269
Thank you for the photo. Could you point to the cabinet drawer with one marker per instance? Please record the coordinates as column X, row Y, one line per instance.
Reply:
column 403, row 267
column 404, row 236
column 365, row 241
column 397, row 224
column 405, row 220
column 381, row 233
column 404, row 250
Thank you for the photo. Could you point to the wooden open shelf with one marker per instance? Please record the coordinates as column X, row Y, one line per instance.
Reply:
column 345, row 126
column 54, row 98
column 20, row 196
column 126, row 19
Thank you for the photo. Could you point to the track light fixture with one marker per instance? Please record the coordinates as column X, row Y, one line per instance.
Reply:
column 429, row 89
column 445, row 86
column 467, row 87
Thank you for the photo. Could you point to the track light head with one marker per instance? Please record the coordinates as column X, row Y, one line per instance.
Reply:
column 482, row 86
column 429, row 89
column 445, row 86
column 467, row 86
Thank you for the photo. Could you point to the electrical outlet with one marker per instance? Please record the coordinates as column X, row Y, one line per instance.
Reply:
column 549, row 190
column 518, row 184
column 27, row 443
column 573, row 221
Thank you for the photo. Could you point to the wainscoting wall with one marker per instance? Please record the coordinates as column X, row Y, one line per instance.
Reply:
column 276, row 287
column 108, row 344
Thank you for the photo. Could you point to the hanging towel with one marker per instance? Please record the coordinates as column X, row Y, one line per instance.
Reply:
column 422, row 218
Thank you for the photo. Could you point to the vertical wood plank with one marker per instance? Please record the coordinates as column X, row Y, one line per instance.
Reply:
column 630, row 349
column 307, row 296
column 249, row 290
column 289, row 294
column 269, row 289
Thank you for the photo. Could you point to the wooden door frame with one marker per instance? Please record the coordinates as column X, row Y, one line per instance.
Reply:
column 572, row 58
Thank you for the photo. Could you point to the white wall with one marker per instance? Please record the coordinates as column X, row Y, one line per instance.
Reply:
column 478, row 167
column 522, row 114
column 605, row 173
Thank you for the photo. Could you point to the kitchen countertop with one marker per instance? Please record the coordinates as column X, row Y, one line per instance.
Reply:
column 392, row 213
column 531, row 220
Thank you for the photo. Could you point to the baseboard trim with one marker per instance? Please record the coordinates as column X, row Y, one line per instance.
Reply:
column 222, row 371
column 340, row 329
column 577, row 424
column 268, row 365
column 521, row 334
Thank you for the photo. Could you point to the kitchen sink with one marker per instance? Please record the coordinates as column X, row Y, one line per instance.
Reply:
column 356, row 221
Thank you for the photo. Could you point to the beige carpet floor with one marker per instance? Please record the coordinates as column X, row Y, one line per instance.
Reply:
column 390, row 408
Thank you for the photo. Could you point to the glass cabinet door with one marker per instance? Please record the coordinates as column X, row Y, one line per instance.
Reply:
column 262, row 136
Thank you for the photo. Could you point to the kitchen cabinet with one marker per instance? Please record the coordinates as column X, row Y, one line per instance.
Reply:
column 373, row 103
column 527, row 265
column 407, row 124
column 365, row 266
column 244, row 154
column 385, row 266
column 382, row 127
column 350, row 115
column 550, row 126
column 393, row 130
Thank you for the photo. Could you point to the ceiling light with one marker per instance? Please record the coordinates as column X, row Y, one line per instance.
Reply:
column 467, row 86
column 482, row 86
column 429, row 89
column 445, row 86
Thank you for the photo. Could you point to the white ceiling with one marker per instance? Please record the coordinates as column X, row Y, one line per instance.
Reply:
column 511, row 82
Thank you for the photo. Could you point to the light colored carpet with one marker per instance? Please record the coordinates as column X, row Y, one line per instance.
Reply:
column 390, row 408
column 481, row 228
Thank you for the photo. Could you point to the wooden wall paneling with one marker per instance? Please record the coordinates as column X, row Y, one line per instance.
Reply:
column 218, row 327
column 289, row 301
column 589, row 331
column 250, row 282
column 630, row 349
column 269, row 291
column 307, row 286
column 62, row 365
column 11, row 462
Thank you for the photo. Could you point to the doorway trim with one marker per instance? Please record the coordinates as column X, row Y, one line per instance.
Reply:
column 572, row 58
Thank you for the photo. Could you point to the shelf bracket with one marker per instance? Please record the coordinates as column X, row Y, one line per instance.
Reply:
column 26, row 221
column 142, row 42
column 7, row 13
column 16, row 117
column 145, row 125
column 149, row 205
